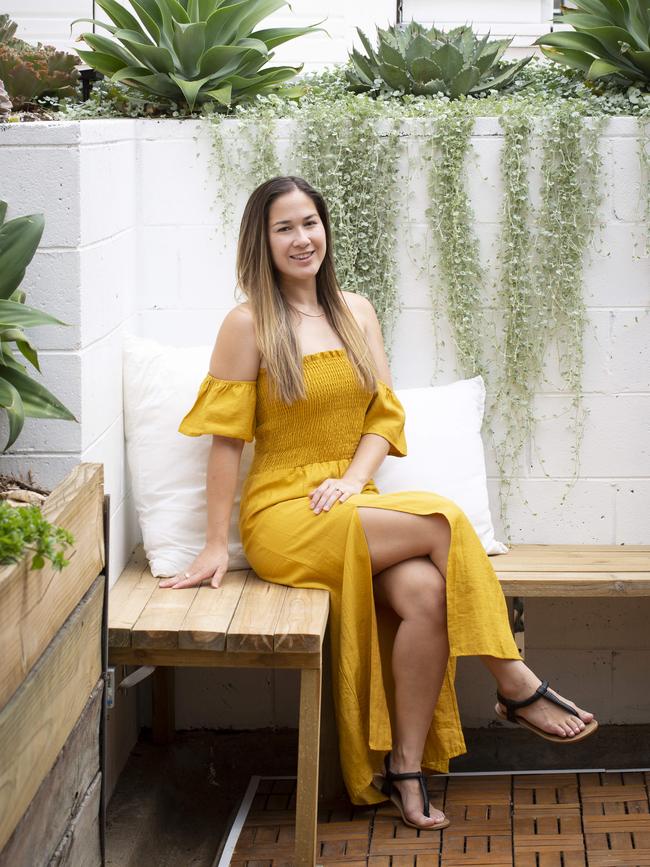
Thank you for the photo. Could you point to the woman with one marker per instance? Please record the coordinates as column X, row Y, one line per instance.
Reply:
column 301, row 368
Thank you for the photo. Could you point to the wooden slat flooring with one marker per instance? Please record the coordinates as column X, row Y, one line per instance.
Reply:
column 527, row 820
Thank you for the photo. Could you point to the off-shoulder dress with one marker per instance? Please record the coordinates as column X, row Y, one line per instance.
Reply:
column 297, row 446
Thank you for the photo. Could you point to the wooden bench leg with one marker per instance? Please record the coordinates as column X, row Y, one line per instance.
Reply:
column 163, row 723
column 308, row 748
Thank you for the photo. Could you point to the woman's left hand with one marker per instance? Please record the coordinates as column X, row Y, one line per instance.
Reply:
column 330, row 491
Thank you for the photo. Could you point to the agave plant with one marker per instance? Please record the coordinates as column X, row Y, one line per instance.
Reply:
column 609, row 37
column 425, row 61
column 193, row 51
column 20, row 395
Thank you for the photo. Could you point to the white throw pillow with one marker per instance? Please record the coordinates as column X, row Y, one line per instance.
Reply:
column 167, row 468
column 445, row 451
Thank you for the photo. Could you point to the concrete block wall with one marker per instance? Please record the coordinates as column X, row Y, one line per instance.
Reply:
column 134, row 241
column 82, row 178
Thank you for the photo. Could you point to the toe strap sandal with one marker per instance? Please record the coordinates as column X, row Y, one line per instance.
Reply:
column 542, row 691
column 385, row 783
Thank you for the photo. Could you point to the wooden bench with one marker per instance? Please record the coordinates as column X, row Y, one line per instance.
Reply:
column 247, row 623
column 251, row 623
column 570, row 570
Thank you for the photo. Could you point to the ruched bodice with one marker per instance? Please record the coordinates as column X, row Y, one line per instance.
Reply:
column 299, row 445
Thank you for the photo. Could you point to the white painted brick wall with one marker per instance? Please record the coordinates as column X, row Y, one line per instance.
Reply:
column 133, row 241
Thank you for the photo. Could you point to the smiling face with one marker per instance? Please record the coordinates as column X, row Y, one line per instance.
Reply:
column 296, row 236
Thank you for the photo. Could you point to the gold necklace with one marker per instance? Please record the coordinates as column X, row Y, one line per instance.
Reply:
column 312, row 315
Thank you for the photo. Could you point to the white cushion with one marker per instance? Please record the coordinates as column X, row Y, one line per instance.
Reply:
column 167, row 468
column 445, row 451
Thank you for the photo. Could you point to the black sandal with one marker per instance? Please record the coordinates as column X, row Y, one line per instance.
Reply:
column 384, row 782
column 542, row 691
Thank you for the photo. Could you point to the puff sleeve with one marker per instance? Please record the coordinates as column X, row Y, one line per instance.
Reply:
column 224, row 407
column 385, row 416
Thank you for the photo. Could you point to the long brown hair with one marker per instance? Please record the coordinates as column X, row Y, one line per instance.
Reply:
column 257, row 279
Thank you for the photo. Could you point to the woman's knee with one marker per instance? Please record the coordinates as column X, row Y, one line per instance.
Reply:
column 414, row 589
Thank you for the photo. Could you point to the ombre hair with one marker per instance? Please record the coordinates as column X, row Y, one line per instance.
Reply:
column 257, row 279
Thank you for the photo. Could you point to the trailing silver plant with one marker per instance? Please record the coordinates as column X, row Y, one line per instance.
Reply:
column 460, row 274
column 353, row 160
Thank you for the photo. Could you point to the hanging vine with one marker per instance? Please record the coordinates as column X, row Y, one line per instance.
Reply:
column 520, row 355
column 460, row 276
column 570, row 198
column 350, row 148
column 353, row 161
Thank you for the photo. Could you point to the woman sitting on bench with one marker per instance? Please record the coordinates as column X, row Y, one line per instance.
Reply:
column 301, row 368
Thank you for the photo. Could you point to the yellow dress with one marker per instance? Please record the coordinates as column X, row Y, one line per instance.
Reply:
column 297, row 446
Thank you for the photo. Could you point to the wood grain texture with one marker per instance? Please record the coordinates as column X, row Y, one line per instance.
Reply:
column 207, row 621
column 210, row 659
column 575, row 584
column 128, row 597
column 80, row 846
column 302, row 621
column 37, row 720
column 308, row 757
column 34, row 603
column 253, row 625
column 160, row 620
column 574, row 558
column 46, row 820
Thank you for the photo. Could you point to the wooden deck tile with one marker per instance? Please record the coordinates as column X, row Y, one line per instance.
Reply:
column 532, row 820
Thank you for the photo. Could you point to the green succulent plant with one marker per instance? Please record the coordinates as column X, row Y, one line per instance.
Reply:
column 34, row 71
column 8, row 33
column 193, row 51
column 425, row 61
column 20, row 395
column 609, row 37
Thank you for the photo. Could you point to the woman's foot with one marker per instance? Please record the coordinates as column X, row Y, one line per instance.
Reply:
column 411, row 796
column 517, row 682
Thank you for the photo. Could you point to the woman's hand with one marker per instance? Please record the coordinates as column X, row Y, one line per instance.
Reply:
column 211, row 563
column 330, row 491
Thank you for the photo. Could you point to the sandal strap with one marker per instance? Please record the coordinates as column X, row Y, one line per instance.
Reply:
column 387, row 786
column 541, row 692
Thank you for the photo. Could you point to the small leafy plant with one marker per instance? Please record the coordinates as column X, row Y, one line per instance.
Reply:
column 20, row 395
column 193, row 51
column 609, row 38
column 24, row 528
column 30, row 72
column 426, row 61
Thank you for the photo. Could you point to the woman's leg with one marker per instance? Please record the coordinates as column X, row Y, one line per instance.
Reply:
column 395, row 536
column 415, row 590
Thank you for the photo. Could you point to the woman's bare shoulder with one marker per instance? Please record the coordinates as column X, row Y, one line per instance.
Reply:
column 364, row 312
column 361, row 308
column 235, row 354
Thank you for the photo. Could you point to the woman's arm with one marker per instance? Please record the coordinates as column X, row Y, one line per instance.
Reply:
column 235, row 357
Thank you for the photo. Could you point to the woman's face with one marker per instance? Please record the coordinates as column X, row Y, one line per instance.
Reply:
column 296, row 236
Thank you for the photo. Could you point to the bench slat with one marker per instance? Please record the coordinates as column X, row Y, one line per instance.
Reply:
column 207, row 621
column 574, row 558
column 302, row 621
column 128, row 597
column 162, row 617
column 574, row 583
column 252, row 627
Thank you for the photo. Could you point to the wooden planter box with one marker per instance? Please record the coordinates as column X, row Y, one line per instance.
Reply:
column 51, row 690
